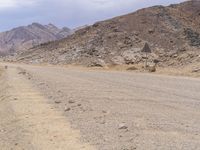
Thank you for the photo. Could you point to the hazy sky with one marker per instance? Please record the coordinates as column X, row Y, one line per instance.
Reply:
column 70, row 13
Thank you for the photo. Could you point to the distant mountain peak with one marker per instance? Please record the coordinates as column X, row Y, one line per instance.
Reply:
column 37, row 25
column 25, row 37
column 52, row 25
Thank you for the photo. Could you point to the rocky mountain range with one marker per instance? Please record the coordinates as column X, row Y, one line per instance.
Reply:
column 173, row 33
column 25, row 37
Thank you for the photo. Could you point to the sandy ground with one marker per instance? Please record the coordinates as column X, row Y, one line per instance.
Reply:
column 55, row 108
column 29, row 122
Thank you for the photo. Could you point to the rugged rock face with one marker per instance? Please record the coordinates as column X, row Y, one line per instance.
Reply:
column 172, row 32
column 26, row 37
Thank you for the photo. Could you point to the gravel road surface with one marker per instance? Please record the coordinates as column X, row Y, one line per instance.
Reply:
column 59, row 107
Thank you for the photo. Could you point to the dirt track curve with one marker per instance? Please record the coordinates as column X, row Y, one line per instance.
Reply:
column 55, row 108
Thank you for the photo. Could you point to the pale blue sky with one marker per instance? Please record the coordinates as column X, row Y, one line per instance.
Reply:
column 70, row 13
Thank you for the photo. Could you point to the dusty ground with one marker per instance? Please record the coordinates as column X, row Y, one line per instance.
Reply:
column 187, row 70
column 110, row 110
column 29, row 122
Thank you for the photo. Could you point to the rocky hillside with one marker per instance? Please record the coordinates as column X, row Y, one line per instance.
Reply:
column 28, row 36
column 172, row 32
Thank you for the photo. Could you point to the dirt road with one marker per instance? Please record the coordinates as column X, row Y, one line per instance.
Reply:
column 65, row 108
column 28, row 122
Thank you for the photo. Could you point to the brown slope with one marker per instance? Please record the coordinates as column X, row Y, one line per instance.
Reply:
column 173, row 33
column 28, row 36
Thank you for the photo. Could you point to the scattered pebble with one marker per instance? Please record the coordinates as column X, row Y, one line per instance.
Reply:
column 104, row 111
column 196, row 70
column 102, row 122
column 71, row 101
column 22, row 72
column 2, row 130
column 122, row 126
column 67, row 109
column 57, row 102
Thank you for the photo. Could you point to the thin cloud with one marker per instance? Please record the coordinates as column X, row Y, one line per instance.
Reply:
column 10, row 4
column 70, row 13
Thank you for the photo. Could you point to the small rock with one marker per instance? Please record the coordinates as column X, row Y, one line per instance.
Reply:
column 196, row 70
column 104, row 111
column 2, row 130
column 175, row 55
column 22, row 72
column 42, row 83
column 122, row 126
column 57, row 102
column 132, row 68
column 152, row 69
column 102, row 122
column 59, row 91
column 67, row 109
column 71, row 101
column 151, row 31
column 120, row 136
column 132, row 148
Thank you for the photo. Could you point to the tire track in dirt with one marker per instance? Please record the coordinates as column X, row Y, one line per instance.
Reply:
column 28, row 121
